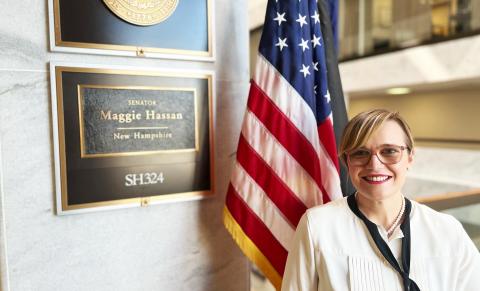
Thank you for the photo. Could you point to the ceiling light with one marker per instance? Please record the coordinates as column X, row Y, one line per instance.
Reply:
column 398, row 91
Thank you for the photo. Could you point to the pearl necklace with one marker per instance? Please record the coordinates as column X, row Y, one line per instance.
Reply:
column 397, row 220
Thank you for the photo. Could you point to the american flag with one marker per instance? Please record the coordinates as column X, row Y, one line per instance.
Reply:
column 286, row 158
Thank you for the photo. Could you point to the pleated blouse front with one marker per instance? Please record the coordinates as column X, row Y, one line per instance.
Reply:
column 333, row 250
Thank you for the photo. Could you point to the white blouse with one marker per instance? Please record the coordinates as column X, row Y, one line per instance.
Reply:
column 333, row 250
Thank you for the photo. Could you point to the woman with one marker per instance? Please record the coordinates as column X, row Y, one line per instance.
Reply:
column 377, row 239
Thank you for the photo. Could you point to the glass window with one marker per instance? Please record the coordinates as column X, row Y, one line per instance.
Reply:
column 369, row 27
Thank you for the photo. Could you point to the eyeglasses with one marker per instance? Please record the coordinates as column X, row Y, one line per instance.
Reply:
column 387, row 154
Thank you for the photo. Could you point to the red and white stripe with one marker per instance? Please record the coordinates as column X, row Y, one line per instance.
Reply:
column 285, row 164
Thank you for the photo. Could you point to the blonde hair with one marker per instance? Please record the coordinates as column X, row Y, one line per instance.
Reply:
column 360, row 128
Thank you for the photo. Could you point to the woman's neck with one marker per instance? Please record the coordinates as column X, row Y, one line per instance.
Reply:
column 382, row 212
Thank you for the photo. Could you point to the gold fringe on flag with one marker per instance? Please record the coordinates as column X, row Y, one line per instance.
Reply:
column 250, row 249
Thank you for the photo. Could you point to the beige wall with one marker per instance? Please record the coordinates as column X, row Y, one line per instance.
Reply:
column 449, row 115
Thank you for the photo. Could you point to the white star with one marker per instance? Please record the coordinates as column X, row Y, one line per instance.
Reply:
column 315, row 66
column 282, row 43
column 280, row 18
column 315, row 89
column 305, row 71
column 316, row 17
column 327, row 96
column 316, row 41
column 304, row 45
column 301, row 20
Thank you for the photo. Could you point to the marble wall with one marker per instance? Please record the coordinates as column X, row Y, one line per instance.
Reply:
column 441, row 170
column 177, row 246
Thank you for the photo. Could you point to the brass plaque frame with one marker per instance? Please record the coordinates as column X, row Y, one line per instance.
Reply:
column 178, row 49
column 69, row 163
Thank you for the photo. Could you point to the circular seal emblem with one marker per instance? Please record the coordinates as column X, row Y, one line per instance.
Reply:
column 142, row 12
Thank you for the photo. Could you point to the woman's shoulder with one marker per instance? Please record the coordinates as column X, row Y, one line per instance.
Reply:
column 431, row 216
column 329, row 211
column 331, row 226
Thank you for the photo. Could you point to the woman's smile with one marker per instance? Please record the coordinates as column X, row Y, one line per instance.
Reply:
column 376, row 179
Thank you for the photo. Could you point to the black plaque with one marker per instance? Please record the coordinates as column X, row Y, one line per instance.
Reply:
column 129, row 137
column 77, row 26
column 127, row 120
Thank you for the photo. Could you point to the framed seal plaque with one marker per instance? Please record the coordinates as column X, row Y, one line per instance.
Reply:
column 145, row 28
column 128, row 137
column 142, row 12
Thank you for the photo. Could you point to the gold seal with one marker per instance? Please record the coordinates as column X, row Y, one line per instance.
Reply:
column 142, row 12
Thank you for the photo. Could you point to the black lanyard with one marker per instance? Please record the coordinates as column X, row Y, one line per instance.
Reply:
column 408, row 284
